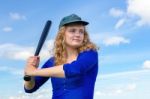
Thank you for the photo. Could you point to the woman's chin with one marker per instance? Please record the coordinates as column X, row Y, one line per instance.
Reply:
column 76, row 45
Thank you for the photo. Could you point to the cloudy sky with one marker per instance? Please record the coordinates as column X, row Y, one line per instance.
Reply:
column 119, row 27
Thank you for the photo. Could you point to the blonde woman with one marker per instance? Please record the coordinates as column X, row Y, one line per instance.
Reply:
column 73, row 68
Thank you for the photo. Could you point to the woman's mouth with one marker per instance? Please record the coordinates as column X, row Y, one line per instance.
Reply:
column 78, row 40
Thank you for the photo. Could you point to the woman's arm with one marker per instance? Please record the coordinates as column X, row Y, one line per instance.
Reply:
column 37, row 81
column 55, row 71
column 85, row 62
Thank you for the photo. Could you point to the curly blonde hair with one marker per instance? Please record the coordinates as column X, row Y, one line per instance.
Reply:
column 59, row 48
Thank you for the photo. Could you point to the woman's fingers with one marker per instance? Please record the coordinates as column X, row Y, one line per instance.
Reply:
column 33, row 60
column 31, row 64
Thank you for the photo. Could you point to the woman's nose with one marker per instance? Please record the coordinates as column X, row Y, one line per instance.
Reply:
column 78, row 33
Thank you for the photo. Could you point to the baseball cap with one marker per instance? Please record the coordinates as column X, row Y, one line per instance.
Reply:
column 73, row 18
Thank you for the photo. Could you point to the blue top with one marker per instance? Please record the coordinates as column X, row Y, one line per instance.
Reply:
column 79, row 81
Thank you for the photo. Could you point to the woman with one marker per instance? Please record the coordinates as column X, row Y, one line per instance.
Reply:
column 73, row 68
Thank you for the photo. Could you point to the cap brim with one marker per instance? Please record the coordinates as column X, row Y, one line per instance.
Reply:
column 80, row 22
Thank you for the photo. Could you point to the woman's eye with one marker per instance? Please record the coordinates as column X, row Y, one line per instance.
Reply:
column 81, row 32
column 72, row 30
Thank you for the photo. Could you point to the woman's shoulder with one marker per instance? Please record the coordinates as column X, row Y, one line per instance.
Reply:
column 88, row 51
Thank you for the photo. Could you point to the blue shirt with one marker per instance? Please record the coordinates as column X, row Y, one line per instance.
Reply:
column 79, row 81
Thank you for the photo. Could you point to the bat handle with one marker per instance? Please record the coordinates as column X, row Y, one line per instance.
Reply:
column 27, row 78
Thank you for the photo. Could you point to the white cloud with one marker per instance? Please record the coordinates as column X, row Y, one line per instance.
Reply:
column 40, row 94
column 140, row 8
column 116, row 91
column 122, row 74
column 47, row 49
column 99, row 93
column 115, row 40
column 122, row 84
column 116, row 12
column 7, row 29
column 146, row 64
column 11, row 70
column 17, row 52
column 97, row 37
column 17, row 16
column 109, row 39
column 13, row 51
column 136, row 13
column 131, row 87
column 120, row 23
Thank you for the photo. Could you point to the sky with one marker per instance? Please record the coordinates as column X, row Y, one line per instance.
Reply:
column 120, row 28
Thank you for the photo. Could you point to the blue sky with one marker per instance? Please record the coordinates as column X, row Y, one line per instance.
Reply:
column 119, row 27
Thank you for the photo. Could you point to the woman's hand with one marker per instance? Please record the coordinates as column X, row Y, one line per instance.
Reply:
column 31, row 65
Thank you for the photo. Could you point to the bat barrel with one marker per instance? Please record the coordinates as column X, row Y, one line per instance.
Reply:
column 43, row 37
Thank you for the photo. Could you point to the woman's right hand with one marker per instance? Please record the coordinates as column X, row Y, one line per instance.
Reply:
column 32, row 62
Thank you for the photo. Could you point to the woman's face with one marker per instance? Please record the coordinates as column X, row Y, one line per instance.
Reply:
column 74, row 35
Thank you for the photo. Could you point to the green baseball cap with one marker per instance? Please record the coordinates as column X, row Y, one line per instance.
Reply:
column 73, row 18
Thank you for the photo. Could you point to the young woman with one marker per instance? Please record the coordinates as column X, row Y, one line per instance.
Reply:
column 73, row 68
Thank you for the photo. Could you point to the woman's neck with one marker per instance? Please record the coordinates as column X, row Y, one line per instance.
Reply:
column 71, row 53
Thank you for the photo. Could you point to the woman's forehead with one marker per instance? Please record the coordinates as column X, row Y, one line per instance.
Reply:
column 75, row 26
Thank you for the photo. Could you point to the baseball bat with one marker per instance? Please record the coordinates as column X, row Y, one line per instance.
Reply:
column 40, row 43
